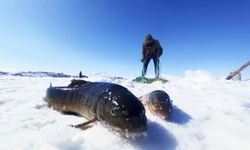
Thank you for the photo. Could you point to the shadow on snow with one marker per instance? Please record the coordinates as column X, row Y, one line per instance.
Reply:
column 178, row 116
column 158, row 138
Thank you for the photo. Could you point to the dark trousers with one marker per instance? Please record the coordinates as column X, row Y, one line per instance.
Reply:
column 156, row 63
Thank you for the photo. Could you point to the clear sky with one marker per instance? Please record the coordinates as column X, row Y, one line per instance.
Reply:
column 105, row 36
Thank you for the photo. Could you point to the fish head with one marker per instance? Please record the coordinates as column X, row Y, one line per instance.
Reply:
column 159, row 104
column 125, row 113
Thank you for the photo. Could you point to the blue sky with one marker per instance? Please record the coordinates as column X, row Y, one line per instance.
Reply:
column 105, row 36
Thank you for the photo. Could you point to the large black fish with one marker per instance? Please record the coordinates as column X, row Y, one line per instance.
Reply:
column 112, row 104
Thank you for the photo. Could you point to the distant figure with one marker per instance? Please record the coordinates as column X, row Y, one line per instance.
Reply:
column 151, row 49
column 80, row 74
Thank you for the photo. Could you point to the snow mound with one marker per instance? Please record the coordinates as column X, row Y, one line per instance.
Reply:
column 198, row 75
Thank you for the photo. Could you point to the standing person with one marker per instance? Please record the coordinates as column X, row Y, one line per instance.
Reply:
column 80, row 74
column 151, row 49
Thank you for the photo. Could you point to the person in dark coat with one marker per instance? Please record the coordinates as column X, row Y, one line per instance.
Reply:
column 151, row 49
column 80, row 74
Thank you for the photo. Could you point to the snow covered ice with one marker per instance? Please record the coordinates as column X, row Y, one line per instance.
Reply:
column 208, row 113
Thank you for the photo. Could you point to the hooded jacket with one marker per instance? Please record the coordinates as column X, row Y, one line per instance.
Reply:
column 151, row 48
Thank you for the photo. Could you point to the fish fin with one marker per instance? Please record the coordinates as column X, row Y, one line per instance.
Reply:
column 85, row 125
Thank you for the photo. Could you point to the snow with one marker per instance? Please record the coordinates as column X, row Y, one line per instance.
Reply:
column 209, row 113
